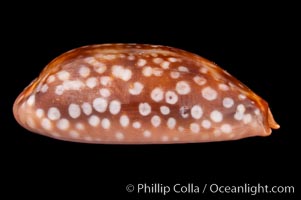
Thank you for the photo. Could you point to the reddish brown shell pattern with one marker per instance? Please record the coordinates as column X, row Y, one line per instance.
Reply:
column 140, row 94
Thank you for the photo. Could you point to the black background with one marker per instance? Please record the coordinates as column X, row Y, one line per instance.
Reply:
column 251, row 42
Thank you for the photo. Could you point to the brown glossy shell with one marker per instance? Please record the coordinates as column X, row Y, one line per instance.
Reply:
column 139, row 94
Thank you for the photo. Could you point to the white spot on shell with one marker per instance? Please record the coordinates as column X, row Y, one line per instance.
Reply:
column 99, row 67
column 171, row 59
column 79, row 126
column 241, row 108
column 73, row 85
column 131, row 57
column 104, row 92
column 109, row 57
column 63, row 75
column 174, row 74
column 120, row 72
column 184, row 112
column 204, row 70
column 147, row 134
column 209, row 93
column 171, row 97
column 164, row 110
column 156, row 121
column 164, row 138
column 30, row 122
column 226, row 128
column 257, row 111
column 242, row 97
column 124, row 120
column 144, row 109
column 87, row 108
column 31, row 100
column 63, row 124
column 59, row 90
column 157, row 60
column 91, row 82
column 206, row 124
column 183, row 88
column 105, row 80
column 54, row 113
column 195, row 128
column 216, row 116
column 94, row 120
column 105, row 123
column 238, row 116
column 136, row 125
column 136, row 89
column 141, row 62
column 39, row 113
column 157, row 94
column 74, row 110
column 119, row 136
column 196, row 112
column 90, row 60
column 183, row 69
column 223, row 87
column 74, row 134
column 147, row 71
column 181, row 128
column 115, row 107
column 199, row 80
column 44, row 88
column 100, row 104
column 46, row 124
column 157, row 71
column 171, row 123
column 228, row 102
column 50, row 79
column 247, row 118
column 165, row 64
column 121, row 56
column 84, row 71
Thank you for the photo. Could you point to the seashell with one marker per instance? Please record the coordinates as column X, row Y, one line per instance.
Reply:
column 140, row 94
